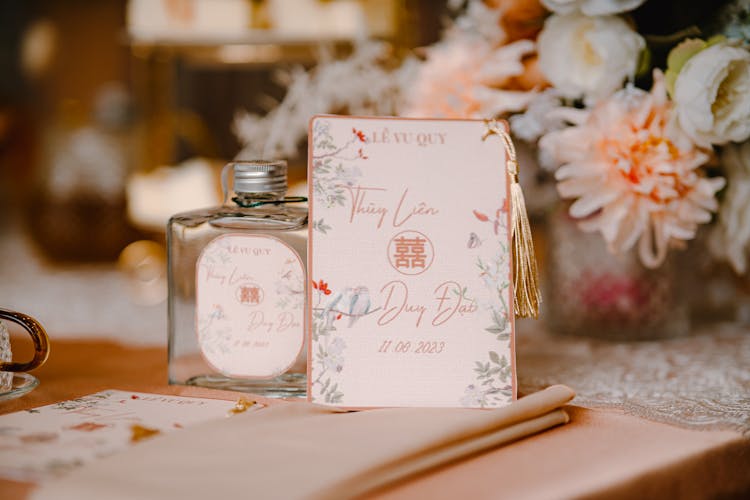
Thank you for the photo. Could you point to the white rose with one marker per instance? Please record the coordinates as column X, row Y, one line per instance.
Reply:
column 545, row 113
column 591, row 7
column 730, row 239
column 588, row 56
column 712, row 95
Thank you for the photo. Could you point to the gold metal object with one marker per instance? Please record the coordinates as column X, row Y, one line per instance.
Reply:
column 527, row 295
column 38, row 335
column 241, row 406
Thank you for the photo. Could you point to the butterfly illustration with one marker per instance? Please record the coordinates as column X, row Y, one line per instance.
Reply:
column 500, row 214
column 474, row 240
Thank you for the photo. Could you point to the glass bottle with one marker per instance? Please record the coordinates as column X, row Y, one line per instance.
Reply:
column 592, row 292
column 237, row 287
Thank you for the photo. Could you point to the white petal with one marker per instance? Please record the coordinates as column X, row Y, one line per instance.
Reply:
column 590, row 203
column 652, row 247
column 573, row 188
column 604, row 7
column 630, row 229
column 711, row 94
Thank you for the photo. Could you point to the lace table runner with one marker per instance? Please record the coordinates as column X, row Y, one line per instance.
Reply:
column 701, row 381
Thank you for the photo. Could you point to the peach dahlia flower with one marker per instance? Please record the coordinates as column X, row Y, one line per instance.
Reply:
column 635, row 175
column 465, row 78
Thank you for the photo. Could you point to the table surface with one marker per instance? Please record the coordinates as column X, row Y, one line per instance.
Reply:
column 599, row 454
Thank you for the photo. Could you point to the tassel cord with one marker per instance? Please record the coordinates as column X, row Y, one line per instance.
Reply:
column 527, row 295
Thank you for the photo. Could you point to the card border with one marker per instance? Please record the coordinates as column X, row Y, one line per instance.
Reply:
column 311, row 208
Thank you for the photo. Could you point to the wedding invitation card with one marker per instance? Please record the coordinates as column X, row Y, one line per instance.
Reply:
column 411, row 300
column 49, row 441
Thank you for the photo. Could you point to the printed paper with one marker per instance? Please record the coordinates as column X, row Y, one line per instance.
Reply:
column 42, row 442
column 411, row 300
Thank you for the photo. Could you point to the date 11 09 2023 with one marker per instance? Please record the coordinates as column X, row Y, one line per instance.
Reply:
column 416, row 347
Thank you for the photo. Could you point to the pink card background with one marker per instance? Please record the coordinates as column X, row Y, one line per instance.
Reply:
column 238, row 337
column 49, row 441
column 367, row 178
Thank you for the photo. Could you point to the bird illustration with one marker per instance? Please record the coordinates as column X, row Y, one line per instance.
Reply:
column 359, row 304
column 335, row 305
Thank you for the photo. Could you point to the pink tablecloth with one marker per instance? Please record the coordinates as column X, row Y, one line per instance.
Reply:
column 599, row 454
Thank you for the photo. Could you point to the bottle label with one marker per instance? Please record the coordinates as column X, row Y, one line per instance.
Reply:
column 250, row 302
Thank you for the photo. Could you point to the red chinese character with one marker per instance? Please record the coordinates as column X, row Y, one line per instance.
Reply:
column 250, row 295
column 409, row 252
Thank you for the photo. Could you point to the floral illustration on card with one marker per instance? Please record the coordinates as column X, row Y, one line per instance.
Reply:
column 321, row 226
column 290, row 286
column 215, row 313
column 218, row 253
column 493, row 375
column 333, row 313
column 328, row 358
column 55, row 439
column 494, row 274
column 249, row 308
column 494, row 271
column 214, row 339
column 39, row 437
column 85, row 402
column 334, row 168
column 492, row 386
column 88, row 427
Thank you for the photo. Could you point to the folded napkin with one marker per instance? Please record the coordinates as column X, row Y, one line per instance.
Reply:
column 299, row 450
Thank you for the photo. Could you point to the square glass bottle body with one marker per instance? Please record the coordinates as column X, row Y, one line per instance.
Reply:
column 237, row 296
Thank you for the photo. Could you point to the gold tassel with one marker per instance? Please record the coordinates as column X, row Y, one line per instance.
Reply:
column 525, row 274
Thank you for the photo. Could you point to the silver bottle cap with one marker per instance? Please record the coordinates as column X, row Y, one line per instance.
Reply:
column 258, row 176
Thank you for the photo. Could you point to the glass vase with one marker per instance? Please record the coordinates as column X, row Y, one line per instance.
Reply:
column 592, row 292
